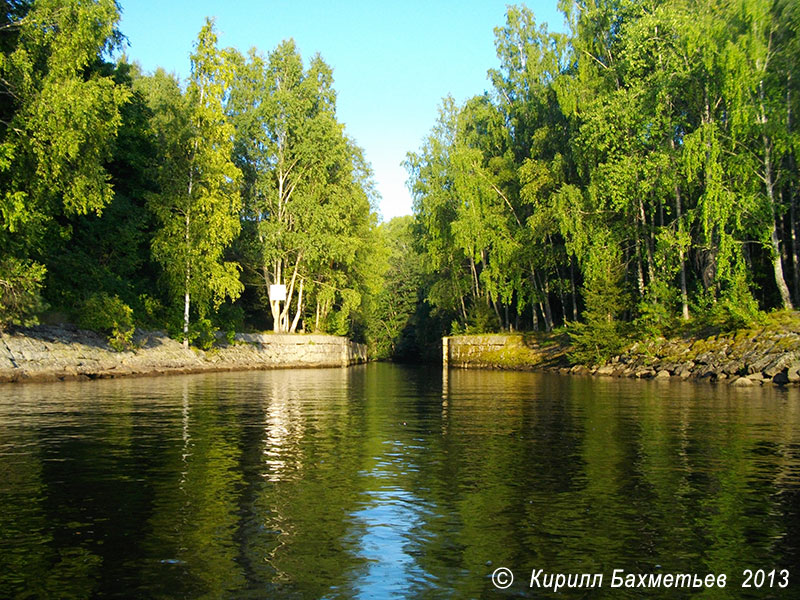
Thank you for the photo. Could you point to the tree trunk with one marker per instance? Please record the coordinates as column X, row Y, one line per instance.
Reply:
column 534, row 293
column 648, row 241
column 544, row 303
column 188, row 274
column 639, row 269
column 681, row 257
column 786, row 255
column 574, row 293
column 494, row 306
column 793, row 225
column 186, row 313
column 460, row 299
column 777, row 265
column 289, row 293
column 795, row 248
column 296, row 319
column 548, row 313
column 275, row 305
column 561, row 297
column 475, row 281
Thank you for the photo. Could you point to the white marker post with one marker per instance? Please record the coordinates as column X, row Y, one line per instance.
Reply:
column 277, row 293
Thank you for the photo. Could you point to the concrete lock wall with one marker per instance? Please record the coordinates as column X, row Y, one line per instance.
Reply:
column 313, row 350
column 509, row 351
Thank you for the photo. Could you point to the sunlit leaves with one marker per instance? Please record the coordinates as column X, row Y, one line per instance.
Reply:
column 66, row 115
column 198, row 204
column 307, row 188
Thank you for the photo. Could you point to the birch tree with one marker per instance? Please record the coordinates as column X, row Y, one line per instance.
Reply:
column 199, row 203
column 303, row 198
column 758, row 121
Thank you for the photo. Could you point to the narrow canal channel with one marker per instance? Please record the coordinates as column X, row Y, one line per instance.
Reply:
column 382, row 481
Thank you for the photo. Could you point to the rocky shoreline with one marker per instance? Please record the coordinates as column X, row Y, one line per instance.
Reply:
column 769, row 354
column 742, row 359
column 63, row 352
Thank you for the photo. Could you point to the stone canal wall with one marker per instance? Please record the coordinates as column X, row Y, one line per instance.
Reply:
column 47, row 353
column 744, row 358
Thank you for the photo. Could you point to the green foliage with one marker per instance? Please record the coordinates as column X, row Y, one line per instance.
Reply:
column 643, row 162
column 602, row 334
column 229, row 319
column 66, row 115
column 203, row 333
column 151, row 313
column 307, row 190
column 737, row 309
column 595, row 341
column 337, row 321
column 198, row 204
column 108, row 315
column 657, row 312
column 482, row 319
column 20, row 291
column 397, row 297
column 111, row 252
column 483, row 184
column 652, row 138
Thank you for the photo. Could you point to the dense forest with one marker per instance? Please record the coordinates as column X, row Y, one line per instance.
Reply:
column 132, row 199
column 630, row 177
column 633, row 176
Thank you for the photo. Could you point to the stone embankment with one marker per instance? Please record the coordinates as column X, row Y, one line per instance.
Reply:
column 51, row 353
column 767, row 355
column 746, row 358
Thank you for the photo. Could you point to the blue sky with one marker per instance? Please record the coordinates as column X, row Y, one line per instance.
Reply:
column 392, row 62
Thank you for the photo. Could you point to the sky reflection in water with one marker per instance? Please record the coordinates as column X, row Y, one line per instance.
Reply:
column 389, row 482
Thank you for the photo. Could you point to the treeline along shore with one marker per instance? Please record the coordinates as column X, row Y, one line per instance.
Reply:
column 632, row 179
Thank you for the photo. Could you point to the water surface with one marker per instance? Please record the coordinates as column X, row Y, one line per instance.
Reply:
column 382, row 481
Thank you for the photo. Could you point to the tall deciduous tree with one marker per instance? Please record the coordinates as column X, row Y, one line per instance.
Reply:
column 199, row 203
column 652, row 146
column 758, row 119
column 306, row 186
column 110, row 252
column 532, row 60
column 436, row 208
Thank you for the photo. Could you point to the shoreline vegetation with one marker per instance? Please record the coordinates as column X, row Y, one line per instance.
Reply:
column 634, row 178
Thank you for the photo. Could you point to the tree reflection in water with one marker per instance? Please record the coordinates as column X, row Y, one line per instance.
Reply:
column 387, row 481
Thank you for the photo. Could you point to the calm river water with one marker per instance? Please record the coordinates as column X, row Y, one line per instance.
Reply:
column 383, row 481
